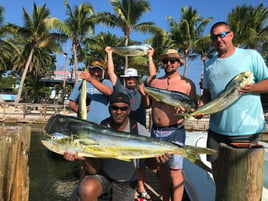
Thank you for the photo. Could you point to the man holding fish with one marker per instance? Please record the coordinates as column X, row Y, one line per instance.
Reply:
column 166, row 125
column 244, row 119
column 109, row 176
column 137, row 107
column 98, row 92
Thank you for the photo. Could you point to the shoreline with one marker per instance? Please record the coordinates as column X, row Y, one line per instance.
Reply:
column 40, row 113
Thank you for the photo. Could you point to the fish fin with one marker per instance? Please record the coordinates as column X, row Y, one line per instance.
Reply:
column 123, row 159
column 86, row 142
column 200, row 164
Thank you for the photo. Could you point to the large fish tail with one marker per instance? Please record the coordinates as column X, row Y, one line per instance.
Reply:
column 194, row 158
column 192, row 154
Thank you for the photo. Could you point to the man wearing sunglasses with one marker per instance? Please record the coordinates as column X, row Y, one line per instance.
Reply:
column 243, row 120
column 166, row 125
column 98, row 92
column 112, row 179
column 138, row 112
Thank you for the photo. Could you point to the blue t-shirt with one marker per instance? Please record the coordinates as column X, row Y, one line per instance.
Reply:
column 138, row 111
column 245, row 116
column 99, row 102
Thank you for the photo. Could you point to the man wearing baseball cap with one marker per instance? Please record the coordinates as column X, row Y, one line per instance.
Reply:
column 106, row 177
column 138, row 111
column 98, row 93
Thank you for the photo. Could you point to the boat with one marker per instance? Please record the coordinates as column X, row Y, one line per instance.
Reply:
column 203, row 188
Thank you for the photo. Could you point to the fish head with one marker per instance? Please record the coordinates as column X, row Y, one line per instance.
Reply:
column 245, row 78
column 58, row 142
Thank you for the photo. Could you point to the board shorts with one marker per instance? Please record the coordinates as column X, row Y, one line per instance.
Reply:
column 214, row 140
column 113, row 191
column 175, row 134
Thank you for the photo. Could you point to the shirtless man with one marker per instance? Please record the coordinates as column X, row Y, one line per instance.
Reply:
column 166, row 125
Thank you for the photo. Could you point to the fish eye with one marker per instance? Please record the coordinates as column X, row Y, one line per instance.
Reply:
column 53, row 138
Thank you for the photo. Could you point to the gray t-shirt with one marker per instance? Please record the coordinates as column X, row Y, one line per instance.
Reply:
column 118, row 170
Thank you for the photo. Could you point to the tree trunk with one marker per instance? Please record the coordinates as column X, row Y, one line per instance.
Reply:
column 24, row 76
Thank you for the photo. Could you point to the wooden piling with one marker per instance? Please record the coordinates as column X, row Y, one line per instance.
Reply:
column 240, row 174
column 14, row 169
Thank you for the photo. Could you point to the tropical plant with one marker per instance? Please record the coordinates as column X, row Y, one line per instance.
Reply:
column 249, row 25
column 186, row 31
column 77, row 26
column 127, row 16
column 94, row 48
column 35, row 42
column 160, row 41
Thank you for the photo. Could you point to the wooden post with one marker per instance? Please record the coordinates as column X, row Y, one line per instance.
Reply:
column 14, row 169
column 240, row 174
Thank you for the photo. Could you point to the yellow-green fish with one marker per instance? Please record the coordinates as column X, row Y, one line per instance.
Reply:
column 83, row 99
column 132, row 50
column 227, row 97
column 172, row 98
column 89, row 139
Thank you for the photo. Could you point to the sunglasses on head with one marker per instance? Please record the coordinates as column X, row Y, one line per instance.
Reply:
column 221, row 35
column 114, row 107
column 172, row 61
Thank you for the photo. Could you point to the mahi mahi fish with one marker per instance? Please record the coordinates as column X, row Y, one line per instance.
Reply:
column 227, row 97
column 89, row 139
column 82, row 100
column 132, row 50
column 172, row 98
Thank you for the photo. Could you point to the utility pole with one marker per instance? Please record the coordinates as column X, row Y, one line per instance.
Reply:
column 65, row 54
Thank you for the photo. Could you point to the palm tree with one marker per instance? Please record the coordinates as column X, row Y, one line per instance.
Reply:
column 127, row 16
column 188, row 29
column 95, row 47
column 35, row 43
column 161, row 41
column 249, row 25
column 77, row 26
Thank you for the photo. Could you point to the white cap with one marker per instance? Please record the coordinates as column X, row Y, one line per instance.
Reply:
column 130, row 72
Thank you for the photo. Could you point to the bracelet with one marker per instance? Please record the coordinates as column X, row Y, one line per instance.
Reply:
column 150, row 58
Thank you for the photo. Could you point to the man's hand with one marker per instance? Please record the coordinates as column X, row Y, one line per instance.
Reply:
column 246, row 89
column 163, row 158
column 86, row 76
column 72, row 156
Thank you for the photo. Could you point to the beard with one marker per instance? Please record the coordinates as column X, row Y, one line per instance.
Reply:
column 170, row 72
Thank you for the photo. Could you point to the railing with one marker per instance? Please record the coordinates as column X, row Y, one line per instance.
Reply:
column 29, row 111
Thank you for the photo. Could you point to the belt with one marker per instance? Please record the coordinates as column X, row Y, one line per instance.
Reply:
column 180, row 125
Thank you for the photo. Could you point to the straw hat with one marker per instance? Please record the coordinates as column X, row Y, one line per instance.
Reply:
column 172, row 53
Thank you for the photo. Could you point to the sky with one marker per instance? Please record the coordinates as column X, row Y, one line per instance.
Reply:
column 160, row 9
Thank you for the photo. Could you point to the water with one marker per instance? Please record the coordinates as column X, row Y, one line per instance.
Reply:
column 52, row 178
column 265, row 184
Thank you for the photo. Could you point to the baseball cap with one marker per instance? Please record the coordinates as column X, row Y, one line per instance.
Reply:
column 119, row 97
column 130, row 72
column 91, row 67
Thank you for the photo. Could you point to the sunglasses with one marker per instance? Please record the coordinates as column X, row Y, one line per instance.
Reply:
column 114, row 107
column 130, row 78
column 221, row 35
column 172, row 61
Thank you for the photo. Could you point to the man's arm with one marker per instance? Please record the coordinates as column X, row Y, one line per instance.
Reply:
column 74, row 106
column 110, row 65
column 151, row 65
column 259, row 87
column 106, row 90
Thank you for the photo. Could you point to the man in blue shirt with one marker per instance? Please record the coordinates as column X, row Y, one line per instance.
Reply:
column 243, row 120
column 98, row 92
